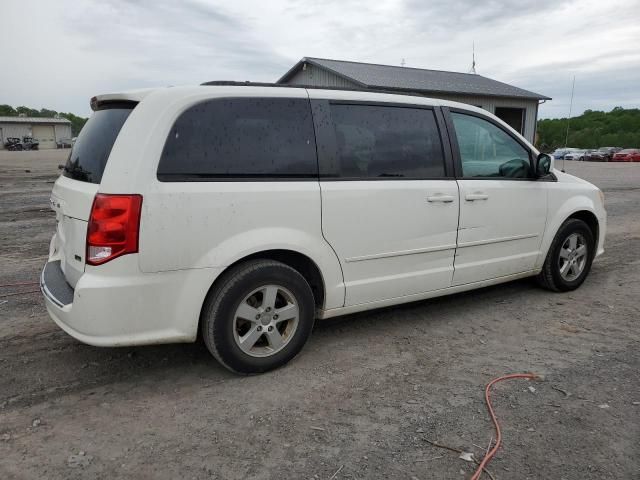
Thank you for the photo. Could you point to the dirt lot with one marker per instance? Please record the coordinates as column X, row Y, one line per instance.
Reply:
column 361, row 399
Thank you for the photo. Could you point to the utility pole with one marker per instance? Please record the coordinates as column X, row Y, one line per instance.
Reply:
column 566, row 138
column 573, row 85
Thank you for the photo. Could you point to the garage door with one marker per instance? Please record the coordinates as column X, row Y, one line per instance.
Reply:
column 45, row 136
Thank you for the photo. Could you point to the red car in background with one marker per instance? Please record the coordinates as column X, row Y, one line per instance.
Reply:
column 627, row 155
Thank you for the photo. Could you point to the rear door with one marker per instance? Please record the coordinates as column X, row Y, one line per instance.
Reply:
column 74, row 191
column 503, row 208
column 389, row 200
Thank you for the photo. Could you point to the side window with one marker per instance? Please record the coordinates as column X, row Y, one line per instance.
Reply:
column 386, row 142
column 241, row 138
column 488, row 151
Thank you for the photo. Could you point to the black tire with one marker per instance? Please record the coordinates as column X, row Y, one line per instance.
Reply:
column 550, row 277
column 217, row 319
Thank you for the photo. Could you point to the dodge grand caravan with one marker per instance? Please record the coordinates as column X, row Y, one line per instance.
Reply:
column 242, row 213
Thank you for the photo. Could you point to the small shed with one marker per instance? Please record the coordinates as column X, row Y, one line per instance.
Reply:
column 46, row 131
column 516, row 106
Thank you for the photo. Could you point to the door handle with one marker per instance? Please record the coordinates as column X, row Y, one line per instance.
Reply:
column 441, row 198
column 476, row 196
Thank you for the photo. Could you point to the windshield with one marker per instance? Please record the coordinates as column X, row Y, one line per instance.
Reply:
column 89, row 155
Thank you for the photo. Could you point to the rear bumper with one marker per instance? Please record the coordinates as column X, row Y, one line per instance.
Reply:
column 108, row 310
column 54, row 286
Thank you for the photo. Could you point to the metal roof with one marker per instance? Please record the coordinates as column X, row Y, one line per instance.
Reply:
column 33, row 120
column 389, row 77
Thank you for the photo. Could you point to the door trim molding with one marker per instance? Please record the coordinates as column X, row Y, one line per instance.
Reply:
column 414, row 251
column 497, row 240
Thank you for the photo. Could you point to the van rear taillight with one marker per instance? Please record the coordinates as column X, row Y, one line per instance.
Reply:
column 113, row 228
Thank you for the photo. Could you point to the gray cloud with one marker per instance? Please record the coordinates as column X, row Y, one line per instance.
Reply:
column 100, row 46
column 173, row 40
column 491, row 13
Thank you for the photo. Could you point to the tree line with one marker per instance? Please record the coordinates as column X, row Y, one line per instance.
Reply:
column 76, row 122
column 593, row 129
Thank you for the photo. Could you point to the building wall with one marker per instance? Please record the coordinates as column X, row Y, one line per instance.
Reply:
column 25, row 130
column 62, row 131
column 320, row 77
column 14, row 130
column 490, row 104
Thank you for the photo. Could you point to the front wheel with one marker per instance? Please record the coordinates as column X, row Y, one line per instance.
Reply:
column 258, row 316
column 569, row 259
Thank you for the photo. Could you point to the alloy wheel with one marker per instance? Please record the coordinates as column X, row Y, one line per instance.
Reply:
column 573, row 257
column 266, row 320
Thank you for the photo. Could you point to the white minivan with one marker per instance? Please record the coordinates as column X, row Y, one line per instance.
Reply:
column 243, row 212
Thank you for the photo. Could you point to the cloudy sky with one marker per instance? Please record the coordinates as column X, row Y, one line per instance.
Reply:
column 63, row 52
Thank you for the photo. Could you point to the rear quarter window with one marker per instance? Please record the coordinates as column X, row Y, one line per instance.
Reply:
column 89, row 155
column 236, row 138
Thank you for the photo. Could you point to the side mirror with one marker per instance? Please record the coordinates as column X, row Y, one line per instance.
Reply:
column 543, row 165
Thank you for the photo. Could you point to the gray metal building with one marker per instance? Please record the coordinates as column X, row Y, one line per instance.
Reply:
column 517, row 107
column 47, row 131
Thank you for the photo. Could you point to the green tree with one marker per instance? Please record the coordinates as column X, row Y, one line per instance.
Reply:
column 47, row 113
column 618, row 128
column 7, row 111
column 29, row 112
column 76, row 122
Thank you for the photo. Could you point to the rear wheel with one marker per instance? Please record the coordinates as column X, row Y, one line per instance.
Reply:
column 569, row 259
column 258, row 317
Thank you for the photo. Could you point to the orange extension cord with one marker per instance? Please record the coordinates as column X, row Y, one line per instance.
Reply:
column 487, row 397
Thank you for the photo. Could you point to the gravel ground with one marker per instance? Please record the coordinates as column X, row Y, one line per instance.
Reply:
column 362, row 399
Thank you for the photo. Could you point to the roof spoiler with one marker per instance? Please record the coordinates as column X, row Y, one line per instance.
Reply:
column 129, row 99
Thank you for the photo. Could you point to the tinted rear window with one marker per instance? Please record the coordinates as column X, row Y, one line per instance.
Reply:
column 89, row 155
column 241, row 138
column 386, row 142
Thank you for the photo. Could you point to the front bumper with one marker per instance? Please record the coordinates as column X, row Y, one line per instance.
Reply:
column 106, row 309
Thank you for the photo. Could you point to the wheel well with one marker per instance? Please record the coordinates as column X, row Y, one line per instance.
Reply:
column 591, row 220
column 303, row 264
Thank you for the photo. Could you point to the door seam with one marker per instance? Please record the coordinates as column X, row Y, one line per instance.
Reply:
column 455, row 253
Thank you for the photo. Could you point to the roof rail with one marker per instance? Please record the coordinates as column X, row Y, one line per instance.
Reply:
column 232, row 83
column 247, row 83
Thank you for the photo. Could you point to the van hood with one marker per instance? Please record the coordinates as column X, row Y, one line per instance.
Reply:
column 565, row 177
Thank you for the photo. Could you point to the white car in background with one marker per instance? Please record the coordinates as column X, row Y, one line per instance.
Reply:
column 244, row 213
column 575, row 154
